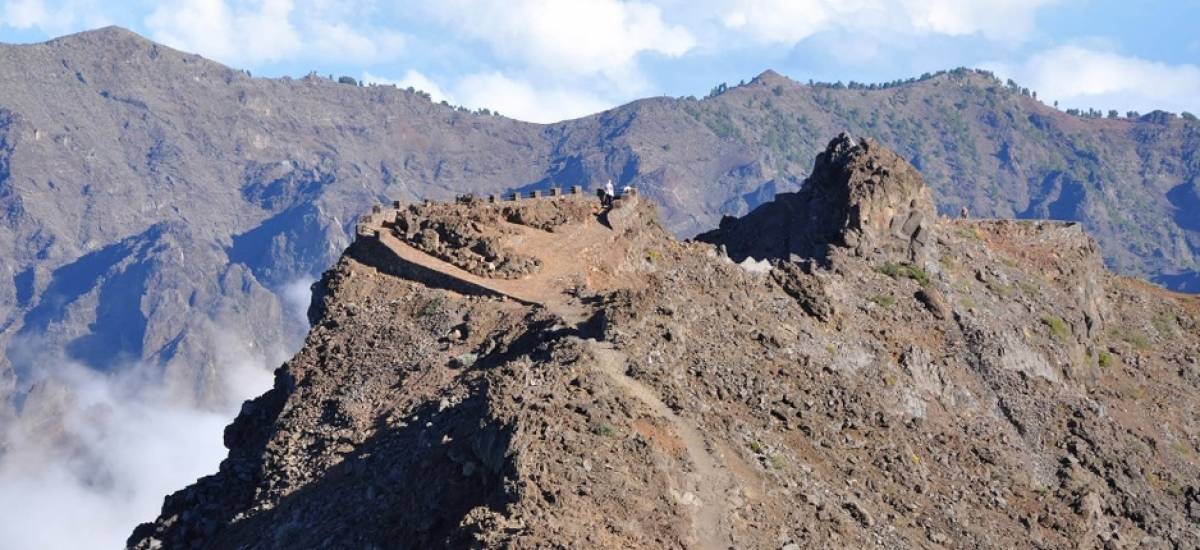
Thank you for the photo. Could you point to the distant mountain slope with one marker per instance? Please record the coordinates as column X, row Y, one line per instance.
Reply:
column 153, row 202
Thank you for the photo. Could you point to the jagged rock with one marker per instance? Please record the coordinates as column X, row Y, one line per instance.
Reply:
column 932, row 299
column 806, row 288
column 860, row 196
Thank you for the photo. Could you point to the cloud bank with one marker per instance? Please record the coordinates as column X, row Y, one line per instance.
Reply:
column 1083, row 77
column 248, row 32
column 94, row 454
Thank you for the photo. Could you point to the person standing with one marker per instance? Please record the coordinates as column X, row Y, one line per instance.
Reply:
column 609, row 194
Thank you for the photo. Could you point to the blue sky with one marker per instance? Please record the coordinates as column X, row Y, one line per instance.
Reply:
column 546, row 60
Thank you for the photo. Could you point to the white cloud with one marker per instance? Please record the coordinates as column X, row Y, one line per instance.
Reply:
column 414, row 79
column 1083, row 77
column 69, row 16
column 296, row 295
column 23, row 14
column 509, row 96
column 265, row 31
column 581, row 37
column 1001, row 20
column 791, row 21
column 366, row 46
column 94, row 453
column 521, row 100
column 785, row 21
column 217, row 30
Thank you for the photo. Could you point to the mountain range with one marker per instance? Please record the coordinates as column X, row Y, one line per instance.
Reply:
column 156, row 206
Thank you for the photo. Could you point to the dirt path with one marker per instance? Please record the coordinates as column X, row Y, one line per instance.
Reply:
column 709, row 485
column 575, row 254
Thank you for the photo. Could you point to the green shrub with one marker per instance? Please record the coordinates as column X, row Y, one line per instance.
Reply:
column 890, row 269
column 432, row 307
column 1105, row 359
column 883, row 300
column 913, row 272
column 1165, row 323
column 1137, row 340
column 1058, row 327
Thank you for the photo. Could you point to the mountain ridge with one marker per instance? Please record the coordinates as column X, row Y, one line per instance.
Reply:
column 987, row 385
column 202, row 191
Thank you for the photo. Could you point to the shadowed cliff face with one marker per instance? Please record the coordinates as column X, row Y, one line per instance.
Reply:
column 628, row 390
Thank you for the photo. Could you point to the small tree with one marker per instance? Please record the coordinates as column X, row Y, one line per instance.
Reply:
column 1112, row 113
column 1188, row 116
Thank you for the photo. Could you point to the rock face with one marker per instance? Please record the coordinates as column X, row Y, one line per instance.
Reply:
column 637, row 391
column 860, row 196
column 164, row 200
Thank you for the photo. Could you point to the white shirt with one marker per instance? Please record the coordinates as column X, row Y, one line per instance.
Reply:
column 608, row 188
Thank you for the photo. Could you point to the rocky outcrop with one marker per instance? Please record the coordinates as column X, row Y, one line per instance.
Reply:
column 860, row 196
column 654, row 393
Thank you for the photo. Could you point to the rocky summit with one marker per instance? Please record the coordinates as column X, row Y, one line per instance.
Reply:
column 840, row 368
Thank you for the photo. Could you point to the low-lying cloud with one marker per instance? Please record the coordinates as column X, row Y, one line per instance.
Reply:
column 94, row 453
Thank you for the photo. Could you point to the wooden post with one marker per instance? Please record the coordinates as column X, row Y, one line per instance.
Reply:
column 576, row 189
column 555, row 192
column 535, row 194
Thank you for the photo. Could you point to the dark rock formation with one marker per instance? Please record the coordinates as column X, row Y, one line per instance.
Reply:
column 860, row 196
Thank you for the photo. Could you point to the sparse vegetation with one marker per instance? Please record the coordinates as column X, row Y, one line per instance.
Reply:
column 883, row 300
column 432, row 307
column 1104, row 359
column 1165, row 324
column 1136, row 339
column 1057, row 326
column 604, row 430
column 896, row 271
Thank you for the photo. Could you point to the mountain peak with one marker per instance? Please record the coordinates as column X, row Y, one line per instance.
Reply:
column 104, row 35
column 770, row 77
